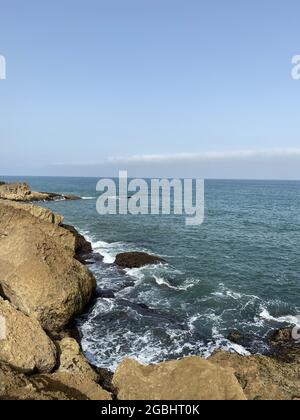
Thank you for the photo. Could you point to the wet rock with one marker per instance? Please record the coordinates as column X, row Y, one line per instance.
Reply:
column 137, row 259
column 105, row 293
column 192, row 378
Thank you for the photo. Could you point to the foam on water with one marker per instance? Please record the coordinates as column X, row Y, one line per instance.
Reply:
column 288, row 319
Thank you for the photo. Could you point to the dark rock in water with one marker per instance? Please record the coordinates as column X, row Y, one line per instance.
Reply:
column 105, row 293
column 236, row 337
column 283, row 346
column 2, row 183
column 20, row 191
column 137, row 259
column 279, row 337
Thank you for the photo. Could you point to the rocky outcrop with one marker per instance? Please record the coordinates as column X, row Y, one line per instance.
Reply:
column 192, row 378
column 21, row 192
column 23, row 343
column 40, row 213
column 57, row 386
column 262, row 377
column 39, row 273
column 137, row 259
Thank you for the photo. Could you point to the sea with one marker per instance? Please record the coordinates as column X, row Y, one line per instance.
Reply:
column 239, row 270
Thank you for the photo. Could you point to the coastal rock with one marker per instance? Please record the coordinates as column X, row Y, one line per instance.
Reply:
column 262, row 377
column 41, row 213
column 137, row 259
column 38, row 272
column 82, row 246
column 192, row 378
column 53, row 387
column 23, row 343
column 72, row 361
column 20, row 191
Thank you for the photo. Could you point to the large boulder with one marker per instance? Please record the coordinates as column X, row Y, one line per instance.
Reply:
column 192, row 378
column 137, row 259
column 39, row 273
column 53, row 387
column 262, row 377
column 72, row 361
column 23, row 343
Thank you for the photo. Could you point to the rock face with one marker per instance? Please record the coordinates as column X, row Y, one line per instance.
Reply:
column 22, row 192
column 57, row 386
column 261, row 377
column 72, row 361
column 82, row 246
column 23, row 343
column 39, row 273
column 137, row 259
column 189, row 379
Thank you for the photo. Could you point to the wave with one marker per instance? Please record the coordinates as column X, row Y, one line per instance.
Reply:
column 88, row 198
column 289, row 319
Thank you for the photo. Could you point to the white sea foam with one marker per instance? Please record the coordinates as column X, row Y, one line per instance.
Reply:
column 88, row 198
column 289, row 319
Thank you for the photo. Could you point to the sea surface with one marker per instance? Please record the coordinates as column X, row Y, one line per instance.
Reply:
column 239, row 270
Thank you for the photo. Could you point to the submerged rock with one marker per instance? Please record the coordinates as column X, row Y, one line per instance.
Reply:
column 137, row 259
column 21, row 192
column 192, row 378
column 23, row 343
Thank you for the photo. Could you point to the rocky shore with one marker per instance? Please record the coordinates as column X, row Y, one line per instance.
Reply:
column 45, row 283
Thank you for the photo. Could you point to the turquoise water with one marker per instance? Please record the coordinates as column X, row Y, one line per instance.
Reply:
column 239, row 270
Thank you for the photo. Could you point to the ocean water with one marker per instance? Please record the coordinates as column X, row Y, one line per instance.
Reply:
column 239, row 270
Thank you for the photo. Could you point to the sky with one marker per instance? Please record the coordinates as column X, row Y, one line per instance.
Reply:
column 173, row 88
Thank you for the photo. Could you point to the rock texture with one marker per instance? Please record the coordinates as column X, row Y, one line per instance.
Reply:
column 72, row 361
column 189, row 379
column 39, row 273
column 22, row 192
column 57, row 386
column 137, row 259
column 23, row 343
column 261, row 377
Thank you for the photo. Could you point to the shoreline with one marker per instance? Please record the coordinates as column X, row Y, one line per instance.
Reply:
column 43, row 299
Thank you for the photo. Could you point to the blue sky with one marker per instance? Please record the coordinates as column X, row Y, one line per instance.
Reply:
column 158, row 87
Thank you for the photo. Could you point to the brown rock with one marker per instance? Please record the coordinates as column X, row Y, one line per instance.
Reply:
column 58, row 386
column 38, row 272
column 192, row 378
column 136, row 259
column 72, row 361
column 23, row 343
column 262, row 377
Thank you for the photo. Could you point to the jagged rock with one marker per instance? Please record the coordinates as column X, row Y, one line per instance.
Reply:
column 137, row 259
column 20, row 191
column 262, row 377
column 23, row 343
column 38, row 272
column 192, row 378
column 71, row 360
